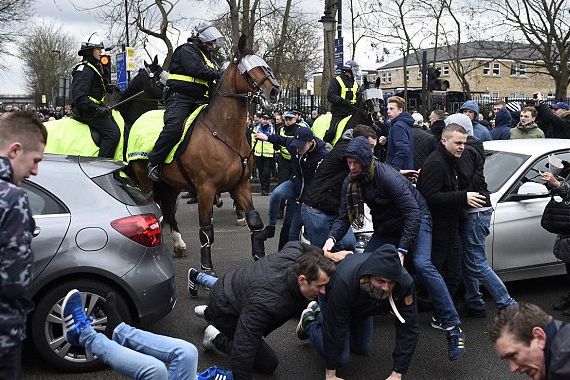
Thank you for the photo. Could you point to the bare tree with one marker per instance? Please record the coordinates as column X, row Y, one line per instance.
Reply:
column 545, row 26
column 47, row 53
column 13, row 13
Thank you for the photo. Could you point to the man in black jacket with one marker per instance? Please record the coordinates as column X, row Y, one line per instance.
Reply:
column 88, row 89
column 400, row 217
column 249, row 303
column 322, row 198
column 363, row 285
column 439, row 185
column 342, row 96
column 554, row 120
column 532, row 342
column 191, row 72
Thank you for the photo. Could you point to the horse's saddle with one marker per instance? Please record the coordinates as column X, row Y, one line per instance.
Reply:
column 145, row 132
column 322, row 124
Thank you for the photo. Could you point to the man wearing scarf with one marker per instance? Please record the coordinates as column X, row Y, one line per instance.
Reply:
column 400, row 217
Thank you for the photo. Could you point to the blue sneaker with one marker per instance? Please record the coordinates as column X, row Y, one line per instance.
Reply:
column 215, row 373
column 74, row 318
column 455, row 343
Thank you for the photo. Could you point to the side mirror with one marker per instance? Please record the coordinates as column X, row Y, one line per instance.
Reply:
column 533, row 188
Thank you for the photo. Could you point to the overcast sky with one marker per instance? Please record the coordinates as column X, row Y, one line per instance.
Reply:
column 79, row 24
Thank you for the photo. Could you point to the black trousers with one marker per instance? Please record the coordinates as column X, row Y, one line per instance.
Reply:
column 178, row 107
column 109, row 132
column 266, row 360
column 284, row 169
column 446, row 255
column 263, row 165
column 11, row 363
column 331, row 132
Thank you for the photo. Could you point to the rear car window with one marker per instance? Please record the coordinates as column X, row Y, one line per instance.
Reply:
column 121, row 187
column 500, row 166
column 42, row 202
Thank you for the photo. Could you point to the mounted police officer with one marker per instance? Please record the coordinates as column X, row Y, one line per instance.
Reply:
column 88, row 95
column 189, row 84
column 342, row 96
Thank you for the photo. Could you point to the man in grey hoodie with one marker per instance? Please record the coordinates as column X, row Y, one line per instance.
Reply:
column 471, row 109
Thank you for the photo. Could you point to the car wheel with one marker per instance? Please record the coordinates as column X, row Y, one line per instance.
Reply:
column 47, row 324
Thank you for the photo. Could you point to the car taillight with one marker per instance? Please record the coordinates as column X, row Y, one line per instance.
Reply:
column 144, row 229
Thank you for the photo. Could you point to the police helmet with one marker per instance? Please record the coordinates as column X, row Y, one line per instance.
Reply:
column 351, row 66
column 207, row 33
column 90, row 42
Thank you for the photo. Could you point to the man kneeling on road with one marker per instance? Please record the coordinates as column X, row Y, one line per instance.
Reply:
column 362, row 286
column 248, row 303
column 532, row 342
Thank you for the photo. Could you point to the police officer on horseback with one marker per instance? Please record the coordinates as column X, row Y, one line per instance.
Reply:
column 88, row 95
column 342, row 96
column 189, row 84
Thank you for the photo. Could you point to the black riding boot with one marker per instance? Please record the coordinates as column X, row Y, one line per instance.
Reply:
column 206, row 241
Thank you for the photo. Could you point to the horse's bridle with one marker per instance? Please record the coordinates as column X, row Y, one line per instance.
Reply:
column 157, row 77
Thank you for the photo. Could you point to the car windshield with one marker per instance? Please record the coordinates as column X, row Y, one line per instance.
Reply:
column 500, row 166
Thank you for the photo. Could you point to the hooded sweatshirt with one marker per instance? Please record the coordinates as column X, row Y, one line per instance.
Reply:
column 502, row 130
column 479, row 131
column 400, row 144
column 344, row 301
column 528, row 131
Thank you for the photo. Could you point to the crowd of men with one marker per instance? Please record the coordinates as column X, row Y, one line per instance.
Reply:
column 428, row 201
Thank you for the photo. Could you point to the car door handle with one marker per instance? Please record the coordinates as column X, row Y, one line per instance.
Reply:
column 37, row 231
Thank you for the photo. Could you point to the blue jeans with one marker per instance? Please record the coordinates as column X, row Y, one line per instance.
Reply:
column 285, row 191
column 318, row 226
column 474, row 230
column 428, row 274
column 206, row 280
column 358, row 340
column 141, row 355
column 291, row 228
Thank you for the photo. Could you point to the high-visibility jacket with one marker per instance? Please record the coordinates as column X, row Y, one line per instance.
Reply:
column 263, row 148
column 345, row 93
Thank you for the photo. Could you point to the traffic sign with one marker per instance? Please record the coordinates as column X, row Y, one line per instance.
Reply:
column 339, row 52
column 121, row 71
column 130, row 59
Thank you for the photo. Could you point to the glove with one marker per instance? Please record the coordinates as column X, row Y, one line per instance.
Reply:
column 102, row 112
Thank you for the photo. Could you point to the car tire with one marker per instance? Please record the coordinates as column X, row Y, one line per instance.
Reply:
column 47, row 331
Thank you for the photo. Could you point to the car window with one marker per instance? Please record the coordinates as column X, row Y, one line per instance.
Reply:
column 121, row 187
column 500, row 166
column 42, row 202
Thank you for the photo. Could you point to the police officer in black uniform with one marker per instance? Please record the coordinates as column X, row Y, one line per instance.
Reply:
column 88, row 95
column 342, row 96
column 189, row 84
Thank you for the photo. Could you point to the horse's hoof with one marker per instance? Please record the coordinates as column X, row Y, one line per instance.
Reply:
column 180, row 252
column 220, row 202
column 241, row 222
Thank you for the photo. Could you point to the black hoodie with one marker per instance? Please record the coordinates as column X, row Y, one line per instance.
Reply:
column 344, row 301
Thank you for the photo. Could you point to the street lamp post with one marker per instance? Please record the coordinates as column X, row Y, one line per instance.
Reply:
column 328, row 22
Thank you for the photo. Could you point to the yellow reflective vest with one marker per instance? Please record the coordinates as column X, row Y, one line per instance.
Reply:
column 262, row 148
column 344, row 90
column 188, row 78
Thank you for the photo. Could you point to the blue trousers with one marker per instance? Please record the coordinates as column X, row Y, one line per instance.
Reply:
column 474, row 231
column 141, row 354
column 318, row 226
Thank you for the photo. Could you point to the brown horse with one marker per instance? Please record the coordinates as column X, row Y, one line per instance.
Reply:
column 217, row 156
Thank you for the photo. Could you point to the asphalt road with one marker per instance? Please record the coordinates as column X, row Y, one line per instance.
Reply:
column 298, row 359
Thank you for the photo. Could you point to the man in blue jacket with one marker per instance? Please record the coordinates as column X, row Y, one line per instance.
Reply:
column 471, row 109
column 362, row 286
column 502, row 130
column 400, row 217
column 22, row 142
column 400, row 148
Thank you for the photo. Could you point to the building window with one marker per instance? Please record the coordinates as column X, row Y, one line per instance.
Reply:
column 408, row 75
column 445, row 70
column 522, row 69
column 486, row 68
column 419, row 73
column 389, row 77
column 383, row 78
column 513, row 69
column 496, row 69
column 495, row 95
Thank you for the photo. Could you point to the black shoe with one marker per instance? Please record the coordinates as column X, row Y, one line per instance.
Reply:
column 264, row 193
column 154, row 172
column 563, row 304
column 192, row 282
column 269, row 231
column 473, row 313
column 192, row 200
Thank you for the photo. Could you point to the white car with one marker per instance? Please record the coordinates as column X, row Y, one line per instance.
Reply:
column 517, row 247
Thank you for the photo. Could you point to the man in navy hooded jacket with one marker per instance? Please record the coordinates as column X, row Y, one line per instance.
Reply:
column 400, row 148
column 502, row 130
column 362, row 286
column 471, row 109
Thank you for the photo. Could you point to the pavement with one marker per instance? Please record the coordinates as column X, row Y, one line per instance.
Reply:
column 297, row 359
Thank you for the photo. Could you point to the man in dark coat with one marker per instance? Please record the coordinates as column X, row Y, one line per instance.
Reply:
column 248, row 303
column 502, row 129
column 400, row 144
column 400, row 217
column 321, row 201
column 439, row 186
column 532, row 342
column 424, row 144
column 362, row 286
column 554, row 120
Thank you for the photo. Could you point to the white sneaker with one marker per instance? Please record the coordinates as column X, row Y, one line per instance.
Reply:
column 199, row 311
column 209, row 334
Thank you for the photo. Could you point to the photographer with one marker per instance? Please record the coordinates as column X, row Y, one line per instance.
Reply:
column 554, row 120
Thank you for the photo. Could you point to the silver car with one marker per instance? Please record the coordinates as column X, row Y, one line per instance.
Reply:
column 97, row 232
column 517, row 247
